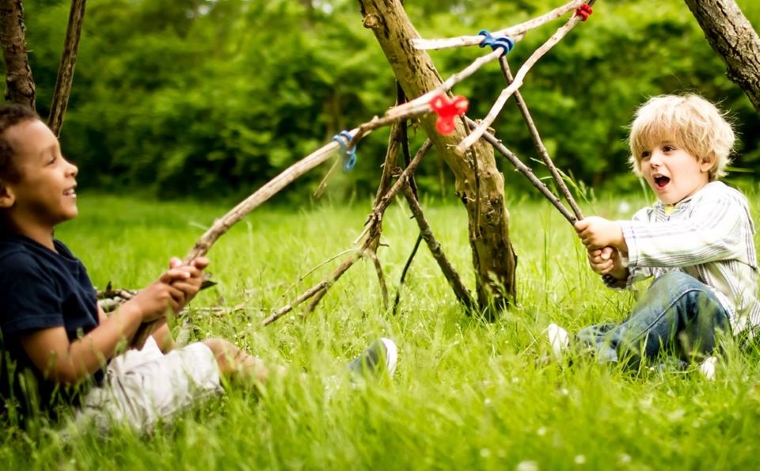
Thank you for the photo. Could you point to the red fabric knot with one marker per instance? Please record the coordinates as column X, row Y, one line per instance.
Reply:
column 584, row 11
column 447, row 110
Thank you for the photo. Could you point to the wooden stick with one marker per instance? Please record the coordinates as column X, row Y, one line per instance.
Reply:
column 66, row 68
column 221, row 226
column 460, row 290
column 512, row 31
column 498, row 105
column 407, row 265
column 380, row 276
column 525, row 170
column 538, row 142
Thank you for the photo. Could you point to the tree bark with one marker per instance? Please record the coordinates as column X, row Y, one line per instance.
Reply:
column 731, row 35
column 479, row 184
column 66, row 69
column 18, row 74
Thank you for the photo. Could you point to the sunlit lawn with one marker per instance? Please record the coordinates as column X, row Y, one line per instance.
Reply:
column 467, row 394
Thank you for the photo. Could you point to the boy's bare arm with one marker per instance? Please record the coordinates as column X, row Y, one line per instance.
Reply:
column 68, row 362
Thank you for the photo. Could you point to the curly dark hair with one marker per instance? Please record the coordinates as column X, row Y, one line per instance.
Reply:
column 11, row 114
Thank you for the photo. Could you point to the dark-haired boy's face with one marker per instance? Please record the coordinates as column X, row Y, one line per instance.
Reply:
column 44, row 195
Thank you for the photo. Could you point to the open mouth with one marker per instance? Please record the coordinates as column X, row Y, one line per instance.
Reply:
column 70, row 192
column 661, row 181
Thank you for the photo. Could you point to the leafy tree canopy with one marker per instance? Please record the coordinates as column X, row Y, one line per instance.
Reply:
column 213, row 98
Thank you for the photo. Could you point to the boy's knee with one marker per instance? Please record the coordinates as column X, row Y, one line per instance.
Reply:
column 233, row 361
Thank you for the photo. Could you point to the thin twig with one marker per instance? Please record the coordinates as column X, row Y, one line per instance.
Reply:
column 323, row 184
column 512, row 31
column 538, row 142
column 303, row 276
column 486, row 122
column 407, row 265
column 318, row 291
column 389, row 164
column 380, row 276
column 526, row 171
column 460, row 290
column 374, row 227
column 300, row 299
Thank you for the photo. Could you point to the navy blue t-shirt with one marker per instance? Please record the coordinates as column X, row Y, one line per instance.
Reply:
column 39, row 289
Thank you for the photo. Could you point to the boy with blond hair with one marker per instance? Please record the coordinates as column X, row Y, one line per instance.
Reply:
column 58, row 348
column 696, row 242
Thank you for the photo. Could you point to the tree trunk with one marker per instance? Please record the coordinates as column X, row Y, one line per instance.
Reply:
column 731, row 35
column 18, row 74
column 479, row 185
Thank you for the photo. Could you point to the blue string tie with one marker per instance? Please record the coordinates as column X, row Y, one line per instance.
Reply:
column 506, row 44
column 349, row 159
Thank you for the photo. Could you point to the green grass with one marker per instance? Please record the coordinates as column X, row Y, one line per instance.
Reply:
column 467, row 394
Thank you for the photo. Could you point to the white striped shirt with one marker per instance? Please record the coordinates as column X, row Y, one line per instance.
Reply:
column 709, row 236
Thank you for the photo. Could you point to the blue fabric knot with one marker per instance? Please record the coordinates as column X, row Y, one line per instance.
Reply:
column 349, row 159
column 506, row 44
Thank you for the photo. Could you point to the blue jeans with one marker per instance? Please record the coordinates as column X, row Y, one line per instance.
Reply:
column 678, row 315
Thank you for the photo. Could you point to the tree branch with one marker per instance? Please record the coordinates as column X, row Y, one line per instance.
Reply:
column 486, row 122
column 731, row 35
column 460, row 290
column 66, row 69
column 538, row 142
column 526, row 171
column 511, row 32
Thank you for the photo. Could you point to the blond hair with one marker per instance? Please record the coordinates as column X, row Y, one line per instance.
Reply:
column 688, row 121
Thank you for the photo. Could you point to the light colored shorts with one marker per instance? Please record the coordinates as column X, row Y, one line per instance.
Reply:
column 144, row 387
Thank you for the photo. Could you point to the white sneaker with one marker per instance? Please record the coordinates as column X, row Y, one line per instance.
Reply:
column 707, row 368
column 382, row 353
column 558, row 339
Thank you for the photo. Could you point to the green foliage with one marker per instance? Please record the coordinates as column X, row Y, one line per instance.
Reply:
column 214, row 98
column 467, row 394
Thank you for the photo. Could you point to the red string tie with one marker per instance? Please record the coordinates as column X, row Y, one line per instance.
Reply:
column 584, row 11
column 447, row 110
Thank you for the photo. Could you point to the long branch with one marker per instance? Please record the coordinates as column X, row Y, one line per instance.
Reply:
column 486, row 122
column 221, row 226
column 525, row 170
column 460, row 290
column 539, row 143
column 66, row 68
column 512, row 31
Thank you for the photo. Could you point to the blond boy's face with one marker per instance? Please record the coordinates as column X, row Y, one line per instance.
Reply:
column 672, row 172
column 45, row 194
